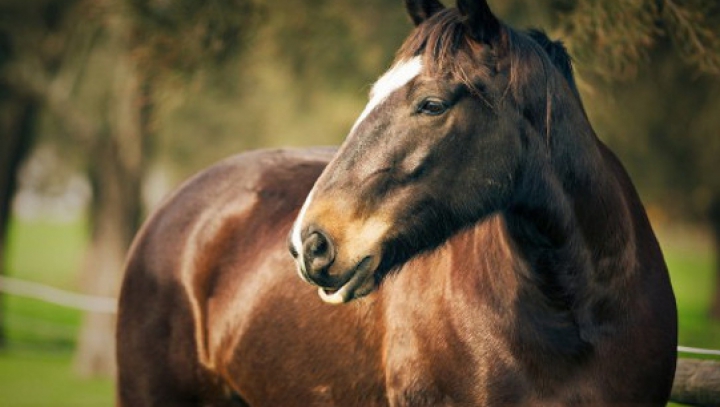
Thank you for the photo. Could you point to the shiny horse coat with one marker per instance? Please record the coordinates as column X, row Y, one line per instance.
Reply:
column 471, row 243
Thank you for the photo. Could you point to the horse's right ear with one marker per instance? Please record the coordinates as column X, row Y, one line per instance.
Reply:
column 421, row 10
column 482, row 23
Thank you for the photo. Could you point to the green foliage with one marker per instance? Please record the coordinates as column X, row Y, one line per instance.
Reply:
column 184, row 35
column 336, row 43
column 613, row 38
column 302, row 80
column 693, row 27
column 663, row 125
column 616, row 35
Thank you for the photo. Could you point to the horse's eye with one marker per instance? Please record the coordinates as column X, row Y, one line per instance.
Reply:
column 432, row 107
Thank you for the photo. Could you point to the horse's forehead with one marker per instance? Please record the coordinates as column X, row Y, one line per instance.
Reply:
column 395, row 78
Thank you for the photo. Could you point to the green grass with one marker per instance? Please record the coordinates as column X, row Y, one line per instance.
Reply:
column 36, row 368
column 38, row 325
column 52, row 254
column 47, row 252
column 44, row 379
column 693, row 281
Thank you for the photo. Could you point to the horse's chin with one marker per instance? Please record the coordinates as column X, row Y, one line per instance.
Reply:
column 359, row 285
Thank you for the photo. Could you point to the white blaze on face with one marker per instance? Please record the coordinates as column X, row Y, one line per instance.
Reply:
column 296, row 237
column 395, row 78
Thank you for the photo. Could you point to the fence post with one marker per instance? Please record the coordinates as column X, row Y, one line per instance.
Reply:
column 697, row 382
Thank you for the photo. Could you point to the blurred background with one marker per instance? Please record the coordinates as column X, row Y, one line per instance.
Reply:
column 107, row 105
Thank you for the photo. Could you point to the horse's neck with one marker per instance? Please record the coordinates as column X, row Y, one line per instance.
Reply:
column 575, row 234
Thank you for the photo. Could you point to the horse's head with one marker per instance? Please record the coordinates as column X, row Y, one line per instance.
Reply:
column 442, row 143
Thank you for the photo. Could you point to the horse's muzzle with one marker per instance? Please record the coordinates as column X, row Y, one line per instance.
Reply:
column 315, row 259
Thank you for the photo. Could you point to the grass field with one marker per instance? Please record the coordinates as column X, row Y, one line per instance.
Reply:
column 36, row 369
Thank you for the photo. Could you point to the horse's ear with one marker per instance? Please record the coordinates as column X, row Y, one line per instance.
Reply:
column 483, row 24
column 421, row 10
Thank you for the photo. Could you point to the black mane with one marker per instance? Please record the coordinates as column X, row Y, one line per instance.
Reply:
column 558, row 55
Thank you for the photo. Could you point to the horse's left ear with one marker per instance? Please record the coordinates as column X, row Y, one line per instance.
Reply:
column 483, row 24
column 421, row 10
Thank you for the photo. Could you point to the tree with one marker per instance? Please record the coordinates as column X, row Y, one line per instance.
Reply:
column 25, row 30
column 91, row 66
column 141, row 39
column 17, row 116
column 64, row 56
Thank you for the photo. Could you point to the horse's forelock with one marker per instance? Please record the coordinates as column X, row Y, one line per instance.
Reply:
column 447, row 49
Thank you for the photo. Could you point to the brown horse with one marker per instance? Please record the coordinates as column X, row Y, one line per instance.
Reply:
column 472, row 243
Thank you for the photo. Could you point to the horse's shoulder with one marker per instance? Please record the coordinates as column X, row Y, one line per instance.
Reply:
column 225, row 216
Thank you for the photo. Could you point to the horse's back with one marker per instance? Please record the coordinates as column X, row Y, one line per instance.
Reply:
column 187, row 263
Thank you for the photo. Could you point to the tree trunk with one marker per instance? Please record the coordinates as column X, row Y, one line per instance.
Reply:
column 714, row 217
column 116, row 170
column 114, row 216
column 17, row 116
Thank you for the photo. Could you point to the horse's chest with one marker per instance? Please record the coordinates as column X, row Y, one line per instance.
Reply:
column 416, row 374
column 419, row 357
column 441, row 370
column 438, row 355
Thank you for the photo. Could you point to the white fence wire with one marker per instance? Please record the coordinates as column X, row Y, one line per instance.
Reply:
column 108, row 305
column 57, row 296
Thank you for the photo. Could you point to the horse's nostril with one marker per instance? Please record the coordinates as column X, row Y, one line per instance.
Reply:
column 316, row 245
column 319, row 254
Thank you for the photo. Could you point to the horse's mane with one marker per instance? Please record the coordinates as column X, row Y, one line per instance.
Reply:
column 558, row 55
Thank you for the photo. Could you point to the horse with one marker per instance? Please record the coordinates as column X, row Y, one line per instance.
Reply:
column 471, row 243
